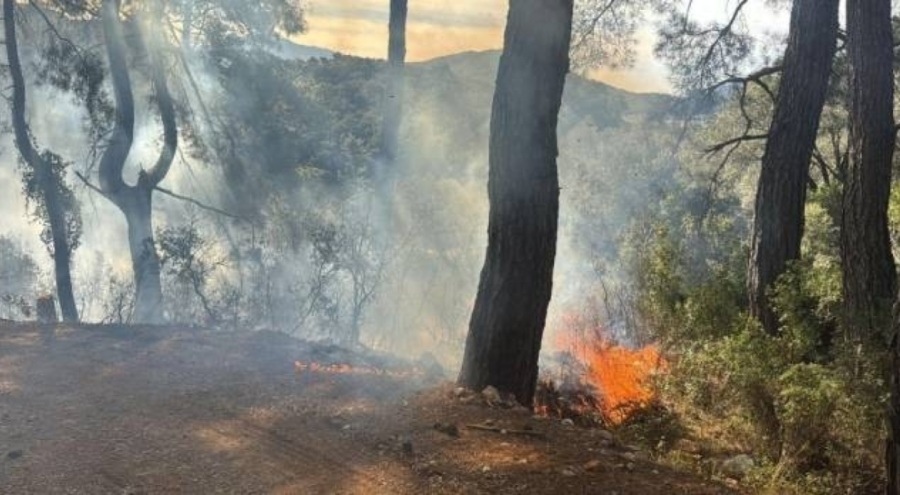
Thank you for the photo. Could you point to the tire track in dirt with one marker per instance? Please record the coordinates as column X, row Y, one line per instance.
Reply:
column 311, row 463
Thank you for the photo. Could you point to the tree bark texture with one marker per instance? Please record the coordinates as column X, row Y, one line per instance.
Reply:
column 43, row 173
column 137, row 208
column 781, row 191
column 869, row 273
column 395, row 83
column 507, row 322
column 892, row 447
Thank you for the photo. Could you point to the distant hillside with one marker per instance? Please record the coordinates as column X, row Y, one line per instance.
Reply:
column 615, row 165
column 452, row 97
column 603, row 104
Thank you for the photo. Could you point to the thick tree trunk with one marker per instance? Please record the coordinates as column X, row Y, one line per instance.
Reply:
column 507, row 322
column 385, row 172
column 136, row 201
column 137, row 208
column 867, row 261
column 395, row 84
column 781, row 192
column 892, row 450
column 119, row 145
column 62, row 251
column 47, row 181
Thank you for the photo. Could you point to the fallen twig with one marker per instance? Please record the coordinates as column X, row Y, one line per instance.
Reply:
column 504, row 431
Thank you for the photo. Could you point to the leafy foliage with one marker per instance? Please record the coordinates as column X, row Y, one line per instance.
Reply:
column 220, row 20
column 603, row 31
column 294, row 120
column 186, row 256
column 34, row 188
column 18, row 280
column 81, row 73
column 809, row 399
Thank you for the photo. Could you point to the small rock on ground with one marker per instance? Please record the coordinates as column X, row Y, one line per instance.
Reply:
column 738, row 466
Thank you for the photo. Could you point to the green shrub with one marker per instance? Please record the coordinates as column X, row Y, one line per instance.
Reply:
column 806, row 402
column 808, row 397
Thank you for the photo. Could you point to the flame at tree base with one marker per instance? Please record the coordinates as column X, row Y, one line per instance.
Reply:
column 598, row 376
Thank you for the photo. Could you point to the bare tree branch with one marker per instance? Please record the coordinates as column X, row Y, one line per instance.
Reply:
column 585, row 35
column 90, row 185
column 716, row 148
column 198, row 204
column 52, row 27
column 167, row 192
column 725, row 31
column 755, row 77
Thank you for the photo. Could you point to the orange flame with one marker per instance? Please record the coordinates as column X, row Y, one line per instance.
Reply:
column 621, row 376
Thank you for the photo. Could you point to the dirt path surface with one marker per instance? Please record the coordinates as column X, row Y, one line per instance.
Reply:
column 115, row 410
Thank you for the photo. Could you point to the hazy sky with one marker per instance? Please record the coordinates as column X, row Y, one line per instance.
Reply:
column 443, row 27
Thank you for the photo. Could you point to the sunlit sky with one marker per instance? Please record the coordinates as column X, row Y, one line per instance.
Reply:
column 443, row 27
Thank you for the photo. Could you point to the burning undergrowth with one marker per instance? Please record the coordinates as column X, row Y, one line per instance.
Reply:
column 596, row 380
column 330, row 360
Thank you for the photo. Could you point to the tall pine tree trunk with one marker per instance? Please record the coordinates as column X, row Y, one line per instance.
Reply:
column 385, row 173
column 892, row 449
column 47, row 181
column 507, row 323
column 781, row 192
column 395, row 84
column 868, row 264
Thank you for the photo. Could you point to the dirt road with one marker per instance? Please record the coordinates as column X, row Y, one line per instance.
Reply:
column 147, row 410
column 116, row 410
